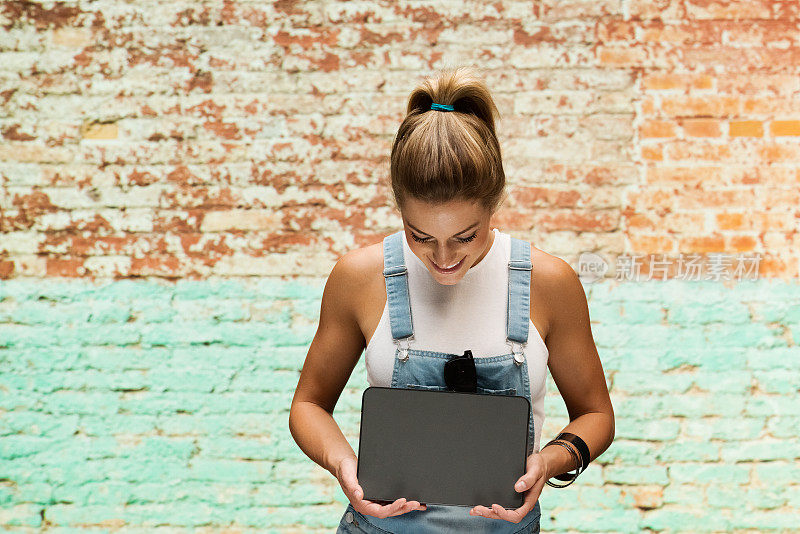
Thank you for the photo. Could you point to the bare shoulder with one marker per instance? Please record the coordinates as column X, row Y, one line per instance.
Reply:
column 360, row 266
column 358, row 277
column 551, row 270
column 555, row 284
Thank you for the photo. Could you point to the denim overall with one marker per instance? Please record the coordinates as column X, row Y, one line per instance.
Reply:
column 506, row 374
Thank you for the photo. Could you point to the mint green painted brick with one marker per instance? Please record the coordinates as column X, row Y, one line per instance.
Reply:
column 108, row 312
column 605, row 312
column 634, row 474
column 256, row 448
column 778, row 381
column 678, row 520
column 628, row 452
column 696, row 405
column 688, row 452
column 769, row 405
column 705, row 357
column 159, row 447
column 21, row 515
column 126, row 290
column 168, row 379
column 34, row 312
column 727, row 312
column 792, row 494
column 161, row 402
column 80, row 402
column 262, row 330
column 201, row 289
column 18, row 399
column 765, row 498
column 129, row 423
column 302, row 288
column 709, row 473
column 238, row 358
column 307, row 308
column 724, row 428
column 108, row 492
column 645, row 359
column 91, row 379
column 751, row 335
column 7, row 496
column 611, row 497
column 21, row 446
column 771, row 312
column 659, row 428
column 563, row 500
column 223, row 424
column 89, row 334
column 37, row 424
column 287, row 358
column 778, row 473
column 592, row 520
column 725, row 381
column 761, row 450
column 213, row 309
column 639, row 382
column 637, row 312
column 264, row 380
column 761, row 521
column 152, row 310
column 228, row 402
column 783, row 427
column 776, row 358
column 687, row 495
column 182, row 333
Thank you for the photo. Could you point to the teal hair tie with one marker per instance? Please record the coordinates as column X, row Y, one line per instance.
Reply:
column 442, row 107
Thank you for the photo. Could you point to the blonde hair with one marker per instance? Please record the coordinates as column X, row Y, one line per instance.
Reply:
column 439, row 156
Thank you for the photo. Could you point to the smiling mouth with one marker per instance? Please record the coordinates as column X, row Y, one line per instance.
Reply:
column 449, row 270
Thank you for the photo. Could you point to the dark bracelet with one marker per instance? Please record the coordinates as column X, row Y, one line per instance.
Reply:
column 565, row 476
column 579, row 444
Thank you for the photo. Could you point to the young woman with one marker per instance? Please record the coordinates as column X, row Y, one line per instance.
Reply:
column 463, row 293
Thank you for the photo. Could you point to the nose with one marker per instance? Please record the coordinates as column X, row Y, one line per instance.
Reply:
column 443, row 258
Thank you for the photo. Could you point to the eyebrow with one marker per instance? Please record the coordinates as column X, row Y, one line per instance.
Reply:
column 473, row 225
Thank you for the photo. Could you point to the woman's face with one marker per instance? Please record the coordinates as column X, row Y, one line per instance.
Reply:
column 447, row 234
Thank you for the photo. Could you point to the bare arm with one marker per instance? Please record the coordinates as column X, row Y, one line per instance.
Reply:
column 576, row 368
column 334, row 352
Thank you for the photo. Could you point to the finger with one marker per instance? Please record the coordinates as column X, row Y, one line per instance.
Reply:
column 484, row 512
column 528, row 480
column 507, row 515
column 409, row 506
column 397, row 505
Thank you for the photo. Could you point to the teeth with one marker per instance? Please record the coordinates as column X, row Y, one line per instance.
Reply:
column 456, row 263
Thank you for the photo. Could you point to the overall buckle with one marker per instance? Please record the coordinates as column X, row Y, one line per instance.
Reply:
column 517, row 350
column 402, row 355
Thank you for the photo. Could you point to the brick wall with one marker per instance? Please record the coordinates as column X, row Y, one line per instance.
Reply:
column 177, row 180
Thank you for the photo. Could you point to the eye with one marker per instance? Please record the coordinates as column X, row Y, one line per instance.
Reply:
column 468, row 239
column 460, row 239
column 418, row 239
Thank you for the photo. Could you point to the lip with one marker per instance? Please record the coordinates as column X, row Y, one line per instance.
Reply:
column 448, row 271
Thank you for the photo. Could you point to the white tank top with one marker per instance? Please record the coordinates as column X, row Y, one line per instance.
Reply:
column 470, row 314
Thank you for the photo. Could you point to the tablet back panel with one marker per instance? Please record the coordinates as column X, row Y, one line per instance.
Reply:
column 442, row 447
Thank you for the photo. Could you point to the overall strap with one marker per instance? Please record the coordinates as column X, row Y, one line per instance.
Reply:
column 519, row 289
column 396, row 276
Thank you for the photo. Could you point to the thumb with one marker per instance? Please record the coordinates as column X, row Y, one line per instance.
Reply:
column 522, row 484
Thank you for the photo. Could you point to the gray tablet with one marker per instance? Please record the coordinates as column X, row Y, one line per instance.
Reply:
column 442, row 447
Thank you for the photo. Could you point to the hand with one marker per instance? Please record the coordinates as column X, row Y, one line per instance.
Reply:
column 534, row 479
column 346, row 474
